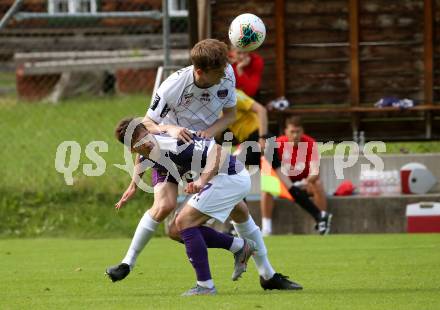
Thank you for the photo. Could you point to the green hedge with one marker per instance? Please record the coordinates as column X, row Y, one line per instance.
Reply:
column 79, row 214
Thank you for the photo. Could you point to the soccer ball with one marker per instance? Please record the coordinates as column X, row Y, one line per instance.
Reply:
column 279, row 104
column 247, row 32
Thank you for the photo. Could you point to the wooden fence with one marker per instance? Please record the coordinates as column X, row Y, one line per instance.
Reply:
column 334, row 59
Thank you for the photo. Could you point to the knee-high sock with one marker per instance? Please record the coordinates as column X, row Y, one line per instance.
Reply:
column 215, row 239
column 302, row 198
column 251, row 231
column 197, row 252
column 144, row 231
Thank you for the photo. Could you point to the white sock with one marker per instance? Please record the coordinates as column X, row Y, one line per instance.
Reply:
column 144, row 231
column 266, row 225
column 208, row 283
column 236, row 245
column 251, row 231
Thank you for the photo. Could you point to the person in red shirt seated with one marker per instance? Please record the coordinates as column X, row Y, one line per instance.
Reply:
column 299, row 158
column 248, row 70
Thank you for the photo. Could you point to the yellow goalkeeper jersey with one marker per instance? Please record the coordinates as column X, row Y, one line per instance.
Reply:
column 247, row 120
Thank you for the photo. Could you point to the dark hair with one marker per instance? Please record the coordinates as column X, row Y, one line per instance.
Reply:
column 294, row 121
column 121, row 129
column 209, row 54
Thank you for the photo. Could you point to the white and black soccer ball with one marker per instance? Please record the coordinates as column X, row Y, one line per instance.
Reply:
column 247, row 32
column 280, row 104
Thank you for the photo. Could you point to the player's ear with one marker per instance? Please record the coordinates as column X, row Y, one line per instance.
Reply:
column 199, row 71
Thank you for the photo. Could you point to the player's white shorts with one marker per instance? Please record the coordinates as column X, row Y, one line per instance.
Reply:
column 220, row 195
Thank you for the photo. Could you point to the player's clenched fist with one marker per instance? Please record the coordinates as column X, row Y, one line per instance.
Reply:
column 194, row 187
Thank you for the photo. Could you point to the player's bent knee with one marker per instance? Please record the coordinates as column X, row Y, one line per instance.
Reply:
column 161, row 210
column 173, row 232
column 240, row 213
column 181, row 223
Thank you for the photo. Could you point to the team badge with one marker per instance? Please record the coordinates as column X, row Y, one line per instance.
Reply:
column 187, row 99
column 222, row 93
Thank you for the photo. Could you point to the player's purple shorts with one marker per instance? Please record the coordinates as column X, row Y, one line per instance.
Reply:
column 161, row 175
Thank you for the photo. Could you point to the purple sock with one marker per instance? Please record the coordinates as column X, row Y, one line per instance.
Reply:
column 215, row 239
column 197, row 252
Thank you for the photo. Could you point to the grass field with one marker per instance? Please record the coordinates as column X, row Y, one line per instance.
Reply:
column 34, row 199
column 33, row 131
column 338, row 272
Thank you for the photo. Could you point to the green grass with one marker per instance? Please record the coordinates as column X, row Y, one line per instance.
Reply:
column 30, row 134
column 34, row 198
column 70, row 214
column 338, row 272
column 7, row 81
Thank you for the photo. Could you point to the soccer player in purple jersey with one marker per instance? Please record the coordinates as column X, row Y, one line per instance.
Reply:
column 220, row 184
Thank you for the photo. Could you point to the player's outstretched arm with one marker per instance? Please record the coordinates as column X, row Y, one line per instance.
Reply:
column 132, row 187
column 174, row 131
column 152, row 126
column 128, row 194
column 262, row 122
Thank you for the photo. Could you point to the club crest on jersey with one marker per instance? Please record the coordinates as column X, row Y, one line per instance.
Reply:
column 222, row 93
column 187, row 99
column 205, row 97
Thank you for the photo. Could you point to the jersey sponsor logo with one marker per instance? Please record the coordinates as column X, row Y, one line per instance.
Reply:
column 165, row 111
column 155, row 102
column 222, row 93
column 205, row 97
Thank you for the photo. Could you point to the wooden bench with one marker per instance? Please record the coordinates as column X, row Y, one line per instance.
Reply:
column 134, row 69
column 59, row 62
column 356, row 114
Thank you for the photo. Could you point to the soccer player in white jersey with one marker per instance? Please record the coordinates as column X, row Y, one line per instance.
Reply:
column 200, row 98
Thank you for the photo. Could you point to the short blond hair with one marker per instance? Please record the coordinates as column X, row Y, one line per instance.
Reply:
column 209, row 54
